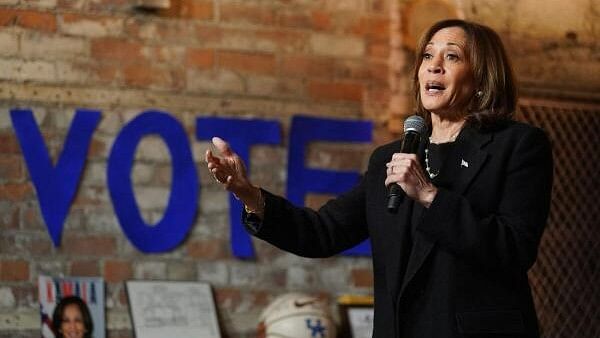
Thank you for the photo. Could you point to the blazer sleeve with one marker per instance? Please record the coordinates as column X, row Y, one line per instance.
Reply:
column 339, row 225
column 508, row 238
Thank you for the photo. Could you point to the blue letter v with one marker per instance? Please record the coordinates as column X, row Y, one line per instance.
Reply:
column 55, row 185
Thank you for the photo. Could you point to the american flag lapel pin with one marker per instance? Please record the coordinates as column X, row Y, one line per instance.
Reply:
column 464, row 163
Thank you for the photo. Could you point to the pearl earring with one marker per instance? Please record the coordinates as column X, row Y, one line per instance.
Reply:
column 479, row 93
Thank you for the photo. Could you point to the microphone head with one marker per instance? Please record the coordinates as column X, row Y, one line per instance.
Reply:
column 415, row 124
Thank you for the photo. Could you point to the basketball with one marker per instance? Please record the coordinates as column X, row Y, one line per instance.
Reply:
column 296, row 315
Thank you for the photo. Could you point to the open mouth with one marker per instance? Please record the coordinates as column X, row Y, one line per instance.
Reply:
column 434, row 87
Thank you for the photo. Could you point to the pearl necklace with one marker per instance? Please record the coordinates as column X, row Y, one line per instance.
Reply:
column 432, row 175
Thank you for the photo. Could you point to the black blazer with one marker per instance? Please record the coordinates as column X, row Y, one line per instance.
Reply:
column 465, row 274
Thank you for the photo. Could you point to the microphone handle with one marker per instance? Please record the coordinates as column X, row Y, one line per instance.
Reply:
column 410, row 145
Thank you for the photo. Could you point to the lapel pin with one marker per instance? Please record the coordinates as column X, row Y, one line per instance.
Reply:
column 464, row 163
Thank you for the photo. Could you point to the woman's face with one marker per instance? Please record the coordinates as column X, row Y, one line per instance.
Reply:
column 72, row 322
column 445, row 79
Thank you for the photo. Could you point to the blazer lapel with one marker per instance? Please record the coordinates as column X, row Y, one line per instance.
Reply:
column 468, row 158
column 464, row 164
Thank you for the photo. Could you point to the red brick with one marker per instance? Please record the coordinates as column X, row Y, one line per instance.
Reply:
column 116, row 271
column 373, row 28
column 321, row 20
column 190, row 9
column 85, row 268
column 8, row 17
column 295, row 20
column 28, row 19
column 260, row 299
column 352, row 70
column 379, row 73
column 381, row 6
column 11, row 168
column 378, row 50
column 208, row 249
column 32, row 217
column 238, row 13
column 209, row 34
column 116, row 50
column 335, row 91
column 199, row 58
column 15, row 192
column 14, row 270
column 39, row 248
column 378, row 95
column 106, row 73
column 144, row 75
column 248, row 62
column 9, row 144
column 93, row 245
column 37, row 20
column 362, row 278
column 306, row 66
column 97, row 148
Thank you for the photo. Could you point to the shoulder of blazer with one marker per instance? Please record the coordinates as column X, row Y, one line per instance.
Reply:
column 516, row 128
column 510, row 132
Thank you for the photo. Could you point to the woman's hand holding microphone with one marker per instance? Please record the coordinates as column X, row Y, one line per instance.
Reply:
column 406, row 171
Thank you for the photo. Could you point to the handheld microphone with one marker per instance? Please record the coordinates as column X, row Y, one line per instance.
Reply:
column 414, row 126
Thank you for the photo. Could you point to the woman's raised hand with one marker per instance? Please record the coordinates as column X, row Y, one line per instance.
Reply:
column 228, row 169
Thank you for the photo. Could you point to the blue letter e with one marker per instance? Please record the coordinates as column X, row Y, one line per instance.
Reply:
column 308, row 129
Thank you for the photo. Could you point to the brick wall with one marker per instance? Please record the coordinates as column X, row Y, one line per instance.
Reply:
column 272, row 59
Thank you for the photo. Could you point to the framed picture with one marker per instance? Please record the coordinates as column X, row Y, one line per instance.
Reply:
column 356, row 314
column 91, row 291
column 172, row 309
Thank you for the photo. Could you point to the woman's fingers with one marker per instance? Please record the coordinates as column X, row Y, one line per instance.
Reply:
column 403, row 169
column 400, row 156
column 406, row 171
column 228, row 182
column 222, row 146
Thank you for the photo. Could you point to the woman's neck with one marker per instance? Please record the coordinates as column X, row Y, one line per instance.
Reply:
column 445, row 130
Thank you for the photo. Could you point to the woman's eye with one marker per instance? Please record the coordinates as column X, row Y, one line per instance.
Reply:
column 427, row 56
column 452, row 57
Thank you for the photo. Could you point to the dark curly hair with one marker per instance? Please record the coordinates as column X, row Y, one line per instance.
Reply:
column 491, row 70
column 57, row 316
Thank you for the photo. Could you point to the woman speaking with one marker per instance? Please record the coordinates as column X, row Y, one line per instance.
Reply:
column 453, row 261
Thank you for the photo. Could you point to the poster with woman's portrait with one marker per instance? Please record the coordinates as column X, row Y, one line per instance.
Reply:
column 78, row 303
